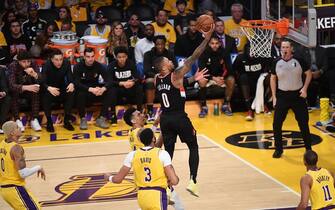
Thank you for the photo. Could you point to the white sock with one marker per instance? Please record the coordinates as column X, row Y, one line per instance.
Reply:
column 178, row 205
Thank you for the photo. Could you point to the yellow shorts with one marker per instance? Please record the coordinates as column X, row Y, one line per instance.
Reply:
column 152, row 198
column 19, row 198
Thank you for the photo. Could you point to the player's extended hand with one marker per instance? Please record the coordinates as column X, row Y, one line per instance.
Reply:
column 41, row 173
column 201, row 74
column 303, row 93
column 208, row 34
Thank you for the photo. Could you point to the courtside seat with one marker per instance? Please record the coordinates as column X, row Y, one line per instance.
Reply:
column 81, row 27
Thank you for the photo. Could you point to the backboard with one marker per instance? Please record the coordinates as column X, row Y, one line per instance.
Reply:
column 302, row 17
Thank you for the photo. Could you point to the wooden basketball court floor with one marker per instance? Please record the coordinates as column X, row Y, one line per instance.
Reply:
column 231, row 176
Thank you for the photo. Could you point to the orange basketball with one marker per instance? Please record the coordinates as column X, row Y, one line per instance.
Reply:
column 204, row 23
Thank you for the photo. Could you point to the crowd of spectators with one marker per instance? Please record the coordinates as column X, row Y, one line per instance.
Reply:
column 133, row 46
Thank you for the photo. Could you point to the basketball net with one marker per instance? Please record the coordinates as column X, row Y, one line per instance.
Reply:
column 260, row 35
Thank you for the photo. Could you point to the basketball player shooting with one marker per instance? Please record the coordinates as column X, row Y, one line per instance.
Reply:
column 174, row 120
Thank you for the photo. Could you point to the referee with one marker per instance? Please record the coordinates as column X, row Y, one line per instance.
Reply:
column 291, row 93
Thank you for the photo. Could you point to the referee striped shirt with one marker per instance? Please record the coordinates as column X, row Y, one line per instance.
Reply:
column 289, row 73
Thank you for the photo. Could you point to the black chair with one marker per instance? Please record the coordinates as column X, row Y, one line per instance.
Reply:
column 81, row 27
column 49, row 15
column 112, row 13
column 144, row 11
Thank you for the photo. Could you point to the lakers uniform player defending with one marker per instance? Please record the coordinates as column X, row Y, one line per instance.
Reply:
column 137, row 121
column 153, row 171
column 317, row 185
column 13, row 171
column 174, row 120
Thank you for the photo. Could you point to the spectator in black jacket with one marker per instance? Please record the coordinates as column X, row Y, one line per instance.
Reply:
column 150, row 72
column 4, row 98
column 188, row 42
column 86, row 76
column 57, row 85
column 125, row 81
column 220, row 74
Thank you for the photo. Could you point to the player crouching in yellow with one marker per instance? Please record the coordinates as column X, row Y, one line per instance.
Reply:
column 153, row 172
column 14, row 171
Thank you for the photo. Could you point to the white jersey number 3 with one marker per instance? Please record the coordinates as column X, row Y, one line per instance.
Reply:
column 165, row 100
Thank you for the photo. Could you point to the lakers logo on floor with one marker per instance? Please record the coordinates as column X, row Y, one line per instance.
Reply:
column 92, row 188
column 263, row 139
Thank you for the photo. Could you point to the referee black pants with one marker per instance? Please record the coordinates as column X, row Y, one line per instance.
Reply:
column 285, row 101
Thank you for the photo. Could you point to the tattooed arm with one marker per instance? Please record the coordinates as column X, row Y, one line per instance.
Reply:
column 181, row 71
column 17, row 154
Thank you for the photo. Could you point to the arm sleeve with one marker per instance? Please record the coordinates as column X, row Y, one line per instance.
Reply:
column 128, row 161
column 165, row 158
column 25, row 172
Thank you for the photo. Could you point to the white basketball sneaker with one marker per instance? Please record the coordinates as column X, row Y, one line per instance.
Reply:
column 20, row 125
column 35, row 125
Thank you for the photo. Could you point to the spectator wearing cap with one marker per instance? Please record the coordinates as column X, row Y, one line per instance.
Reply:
column 100, row 28
column 57, row 85
column 143, row 46
column 64, row 15
column 125, row 81
column 163, row 27
column 172, row 6
column 23, row 80
column 181, row 19
column 86, row 77
column 4, row 97
column 34, row 25
column 157, row 51
column 16, row 40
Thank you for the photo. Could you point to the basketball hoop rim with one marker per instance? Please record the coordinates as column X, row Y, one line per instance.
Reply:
column 263, row 24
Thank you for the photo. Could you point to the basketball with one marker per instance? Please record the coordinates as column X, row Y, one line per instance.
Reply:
column 204, row 23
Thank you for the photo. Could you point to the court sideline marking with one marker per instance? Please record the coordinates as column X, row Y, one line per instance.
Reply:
column 249, row 164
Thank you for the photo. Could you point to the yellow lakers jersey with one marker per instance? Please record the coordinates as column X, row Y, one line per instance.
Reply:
column 104, row 34
column 134, row 140
column 148, row 168
column 234, row 30
column 8, row 171
column 322, row 192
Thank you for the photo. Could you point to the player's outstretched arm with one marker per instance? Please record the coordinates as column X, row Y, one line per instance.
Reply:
column 171, row 175
column 117, row 179
column 17, row 154
column 305, row 186
column 181, row 71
